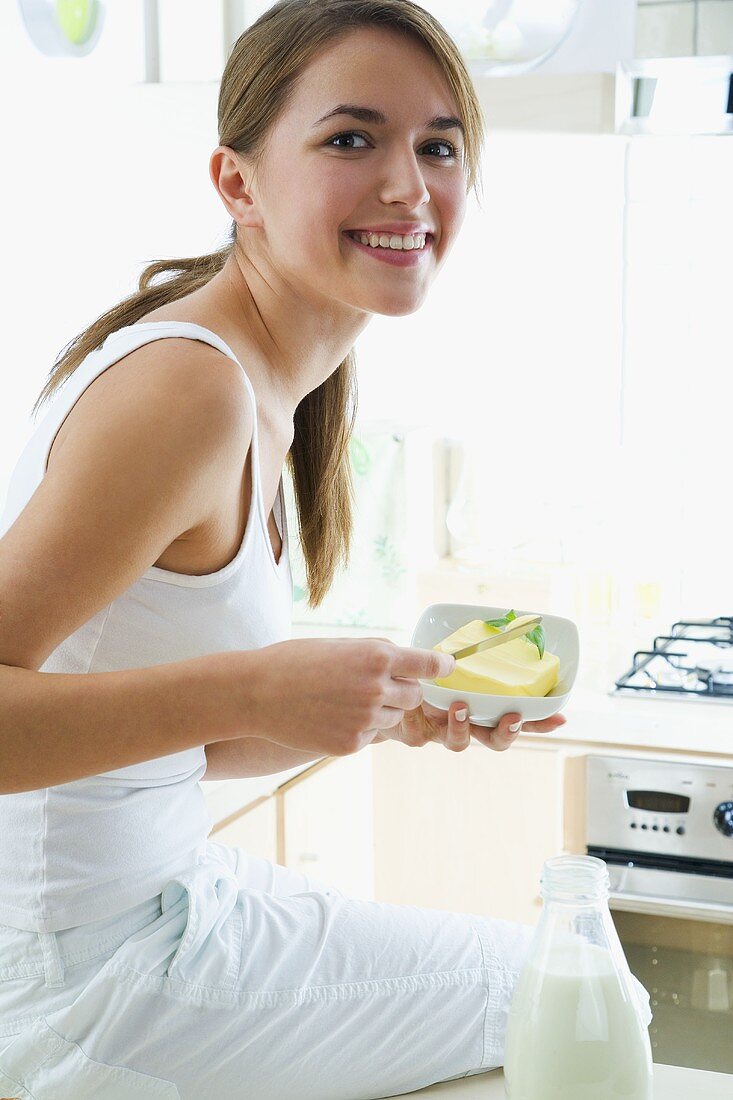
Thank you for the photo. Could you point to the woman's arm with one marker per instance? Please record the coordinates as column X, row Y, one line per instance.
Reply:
column 245, row 756
column 128, row 480
column 58, row 727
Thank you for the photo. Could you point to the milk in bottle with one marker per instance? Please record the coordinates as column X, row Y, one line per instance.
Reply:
column 575, row 1028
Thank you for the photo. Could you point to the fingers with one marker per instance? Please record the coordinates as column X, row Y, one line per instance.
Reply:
column 458, row 734
column 413, row 729
column 416, row 730
column 405, row 694
column 501, row 737
column 425, row 664
column 546, row 725
column 389, row 717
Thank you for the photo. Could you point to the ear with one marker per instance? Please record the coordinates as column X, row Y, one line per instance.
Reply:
column 230, row 175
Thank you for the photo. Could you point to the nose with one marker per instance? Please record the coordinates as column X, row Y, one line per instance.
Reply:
column 404, row 181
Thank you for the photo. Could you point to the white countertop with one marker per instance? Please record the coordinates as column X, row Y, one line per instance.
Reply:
column 670, row 1083
column 673, row 725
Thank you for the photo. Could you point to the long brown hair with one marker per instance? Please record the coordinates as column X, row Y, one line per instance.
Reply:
column 262, row 69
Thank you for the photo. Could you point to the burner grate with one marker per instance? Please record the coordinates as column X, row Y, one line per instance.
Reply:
column 695, row 660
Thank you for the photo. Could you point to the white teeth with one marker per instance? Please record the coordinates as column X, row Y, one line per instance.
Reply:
column 405, row 243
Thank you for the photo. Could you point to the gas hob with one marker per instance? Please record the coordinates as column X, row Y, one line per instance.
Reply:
column 694, row 661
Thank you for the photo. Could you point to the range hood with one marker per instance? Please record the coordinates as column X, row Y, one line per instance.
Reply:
column 669, row 95
column 675, row 95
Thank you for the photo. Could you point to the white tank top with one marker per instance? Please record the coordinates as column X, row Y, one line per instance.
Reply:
column 85, row 850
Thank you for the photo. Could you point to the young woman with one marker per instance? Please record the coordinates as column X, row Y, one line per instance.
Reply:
column 144, row 566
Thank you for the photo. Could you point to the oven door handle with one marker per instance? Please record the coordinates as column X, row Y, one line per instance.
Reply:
column 671, row 907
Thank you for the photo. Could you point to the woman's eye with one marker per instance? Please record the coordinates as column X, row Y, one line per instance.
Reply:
column 342, row 137
column 448, row 146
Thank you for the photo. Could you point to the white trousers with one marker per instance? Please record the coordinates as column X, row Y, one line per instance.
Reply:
column 245, row 979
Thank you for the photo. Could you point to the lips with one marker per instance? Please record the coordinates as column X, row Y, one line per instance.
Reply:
column 409, row 257
column 395, row 232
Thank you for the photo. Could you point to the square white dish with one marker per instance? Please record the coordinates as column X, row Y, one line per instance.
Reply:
column 561, row 637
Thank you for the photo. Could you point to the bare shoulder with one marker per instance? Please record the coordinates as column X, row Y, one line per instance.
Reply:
column 185, row 385
column 178, row 367
column 150, row 448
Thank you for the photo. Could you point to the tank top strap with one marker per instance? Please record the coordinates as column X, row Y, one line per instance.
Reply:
column 144, row 332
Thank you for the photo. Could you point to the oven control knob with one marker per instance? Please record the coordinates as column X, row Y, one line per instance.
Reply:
column 723, row 818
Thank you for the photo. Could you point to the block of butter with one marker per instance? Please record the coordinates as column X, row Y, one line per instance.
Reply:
column 513, row 668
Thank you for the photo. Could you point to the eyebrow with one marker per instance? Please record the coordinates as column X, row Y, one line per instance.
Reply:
column 369, row 114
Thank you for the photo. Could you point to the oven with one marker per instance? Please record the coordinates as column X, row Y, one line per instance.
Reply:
column 665, row 829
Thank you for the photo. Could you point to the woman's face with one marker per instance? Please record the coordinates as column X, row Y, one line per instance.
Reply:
column 322, row 180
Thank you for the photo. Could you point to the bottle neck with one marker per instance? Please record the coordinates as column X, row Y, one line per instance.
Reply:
column 575, row 915
column 575, row 881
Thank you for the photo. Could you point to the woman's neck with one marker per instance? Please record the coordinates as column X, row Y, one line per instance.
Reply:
column 294, row 344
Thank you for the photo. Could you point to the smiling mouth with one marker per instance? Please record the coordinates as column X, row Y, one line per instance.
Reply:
column 390, row 242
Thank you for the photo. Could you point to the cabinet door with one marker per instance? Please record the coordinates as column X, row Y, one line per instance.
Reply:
column 328, row 827
column 465, row 831
column 255, row 830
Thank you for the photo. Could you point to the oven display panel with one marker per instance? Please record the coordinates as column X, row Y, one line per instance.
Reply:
column 662, row 802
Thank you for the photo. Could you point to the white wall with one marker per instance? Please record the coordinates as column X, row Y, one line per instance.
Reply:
column 103, row 173
column 678, row 379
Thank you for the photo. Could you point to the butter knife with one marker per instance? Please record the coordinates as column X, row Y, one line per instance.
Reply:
column 507, row 635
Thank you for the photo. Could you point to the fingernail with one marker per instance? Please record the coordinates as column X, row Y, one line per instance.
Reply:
column 517, row 726
column 462, row 714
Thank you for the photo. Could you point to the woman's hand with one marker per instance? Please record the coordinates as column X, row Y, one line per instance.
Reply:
column 324, row 696
column 428, row 723
column 334, row 696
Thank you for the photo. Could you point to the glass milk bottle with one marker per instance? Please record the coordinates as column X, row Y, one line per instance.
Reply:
column 576, row 1028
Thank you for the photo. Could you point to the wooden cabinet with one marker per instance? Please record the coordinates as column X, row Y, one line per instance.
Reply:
column 466, row 831
column 327, row 824
column 320, row 823
column 254, row 829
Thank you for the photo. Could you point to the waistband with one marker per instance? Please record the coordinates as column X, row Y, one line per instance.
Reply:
column 48, row 953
